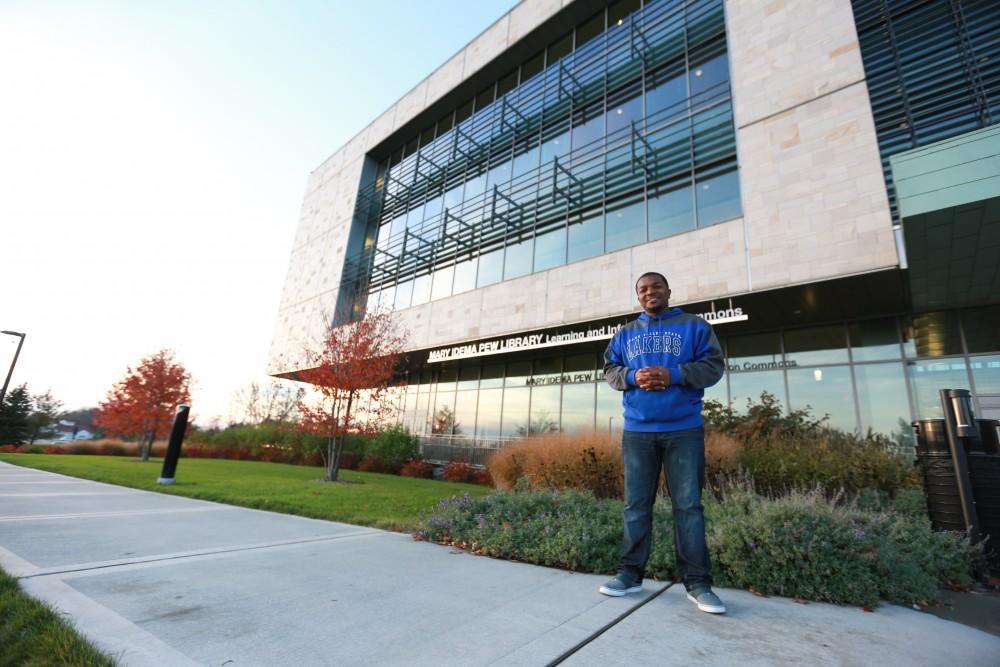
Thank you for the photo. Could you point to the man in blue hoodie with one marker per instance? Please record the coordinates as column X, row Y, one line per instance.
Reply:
column 663, row 361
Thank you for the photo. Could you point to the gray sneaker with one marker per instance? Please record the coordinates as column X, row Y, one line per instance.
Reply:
column 621, row 585
column 707, row 601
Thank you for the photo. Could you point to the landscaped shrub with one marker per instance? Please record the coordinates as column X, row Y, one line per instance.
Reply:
column 802, row 545
column 375, row 463
column 457, row 471
column 417, row 468
column 590, row 460
column 395, row 445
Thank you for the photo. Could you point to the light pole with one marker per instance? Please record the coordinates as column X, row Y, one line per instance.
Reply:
column 3, row 392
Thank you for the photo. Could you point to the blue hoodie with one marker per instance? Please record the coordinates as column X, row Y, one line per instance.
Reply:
column 683, row 343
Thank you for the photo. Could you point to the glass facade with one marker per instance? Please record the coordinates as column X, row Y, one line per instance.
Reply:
column 618, row 133
column 874, row 375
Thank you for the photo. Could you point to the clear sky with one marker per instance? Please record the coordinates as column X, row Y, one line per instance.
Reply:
column 153, row 158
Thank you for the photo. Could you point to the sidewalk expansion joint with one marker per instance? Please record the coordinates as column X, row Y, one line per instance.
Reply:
column 628, row 612
column 92, row 567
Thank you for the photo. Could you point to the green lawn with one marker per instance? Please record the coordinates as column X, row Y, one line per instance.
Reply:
column 31, row 634
column 382, row 501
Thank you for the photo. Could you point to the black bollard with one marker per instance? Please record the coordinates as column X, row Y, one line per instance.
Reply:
column 174, row 446
column 960, row 425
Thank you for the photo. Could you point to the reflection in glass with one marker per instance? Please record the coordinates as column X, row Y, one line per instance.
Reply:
column 746, row 387
column 927, row 377
column 718, row 199
column 882, row 400
column 586, row 238
column 550, row 249
column 465, row 276
column 746, row 351
column 421, row 290
column 517, row 261
column 488, row 414
column 490, row 268
column 545, row 402
column 825, row 391
column 468, row 375
column 932, row 335
column 441, row 284
column 709, row 81
column 625, row 227
column 515, row 411
column 443, row 418
column 517, row 374
column 666, row 95
column 609, row 408
column 403, row 293
column 670, row 212
column 492, row 376
column 578, row 407
column 986, row 374
column 818, row 345
column 465, row 412
column 873, row 340
column 717, row 392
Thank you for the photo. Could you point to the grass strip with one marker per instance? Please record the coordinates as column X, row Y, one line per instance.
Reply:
column 33, row 635
column 389, row 502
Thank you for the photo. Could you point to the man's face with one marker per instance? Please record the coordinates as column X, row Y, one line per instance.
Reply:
column 653, row 293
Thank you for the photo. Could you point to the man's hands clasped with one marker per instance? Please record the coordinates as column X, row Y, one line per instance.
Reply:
column 653, row 378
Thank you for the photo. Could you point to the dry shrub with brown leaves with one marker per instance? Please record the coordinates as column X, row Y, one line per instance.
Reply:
column 589, row 460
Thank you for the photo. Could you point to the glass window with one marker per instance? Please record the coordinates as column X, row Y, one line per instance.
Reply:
column 622, row 113
column 718, row 199
column 590, row 28
column 447, row 376
column 717, row 392
column 873, row 340
column 465, row 412
column 709, row 80
column 579, row 363
column 748, row 352
column 986, row 374
column 746, row 387
column 488, row 412
column 578, row 407
column 443, row 417
column 441, row 284
column 474, row 187
column 421, row 290
column 619, row 11
column 557, row 146
column 546, row 368
column 432, row 209
column 589, row 130
column 928, row 377
column 515, row 411
column 499, row 175
column 465, row 275
column 532, row 66
column 525, row 162
column 932, row 335
column 518, row 259
column 492, row 376
column 453, row 198
column 550, row 249
column 819, row 345
column 468, row 375
column 670, row 212
column 420, row 416
column 982, row 329
column 586, row 237
column 490, row 268
column 559, row 48
column 825, row 391
column 882, row 398
column 609, row 408
column 403, row 293
column 517, row 374
column 625, row 227
column 666, row 96
column 545, row 402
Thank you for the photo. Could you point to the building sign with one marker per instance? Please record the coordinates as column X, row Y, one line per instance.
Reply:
column 761, row 366
column 534, row 341
column 523, row 342
column 564, row 378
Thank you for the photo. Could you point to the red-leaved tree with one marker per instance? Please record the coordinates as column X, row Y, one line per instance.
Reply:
column 360, row 357
column 142, row 404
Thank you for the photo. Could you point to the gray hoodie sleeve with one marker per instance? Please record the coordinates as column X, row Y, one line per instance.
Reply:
column 615, row 370
column 709, row 362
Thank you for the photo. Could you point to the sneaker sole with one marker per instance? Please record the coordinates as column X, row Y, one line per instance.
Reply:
column 616, row 593
column 707, row 608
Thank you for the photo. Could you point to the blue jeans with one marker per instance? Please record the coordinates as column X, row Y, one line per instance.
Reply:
column 681, row 454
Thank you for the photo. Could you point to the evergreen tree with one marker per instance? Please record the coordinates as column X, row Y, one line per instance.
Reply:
column 45, row 414
column 14, row 413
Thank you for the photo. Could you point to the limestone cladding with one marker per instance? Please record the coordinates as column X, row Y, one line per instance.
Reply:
column 814, row 198
column 702, row 264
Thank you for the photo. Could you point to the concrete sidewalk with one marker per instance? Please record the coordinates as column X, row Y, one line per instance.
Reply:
column 161, row 580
